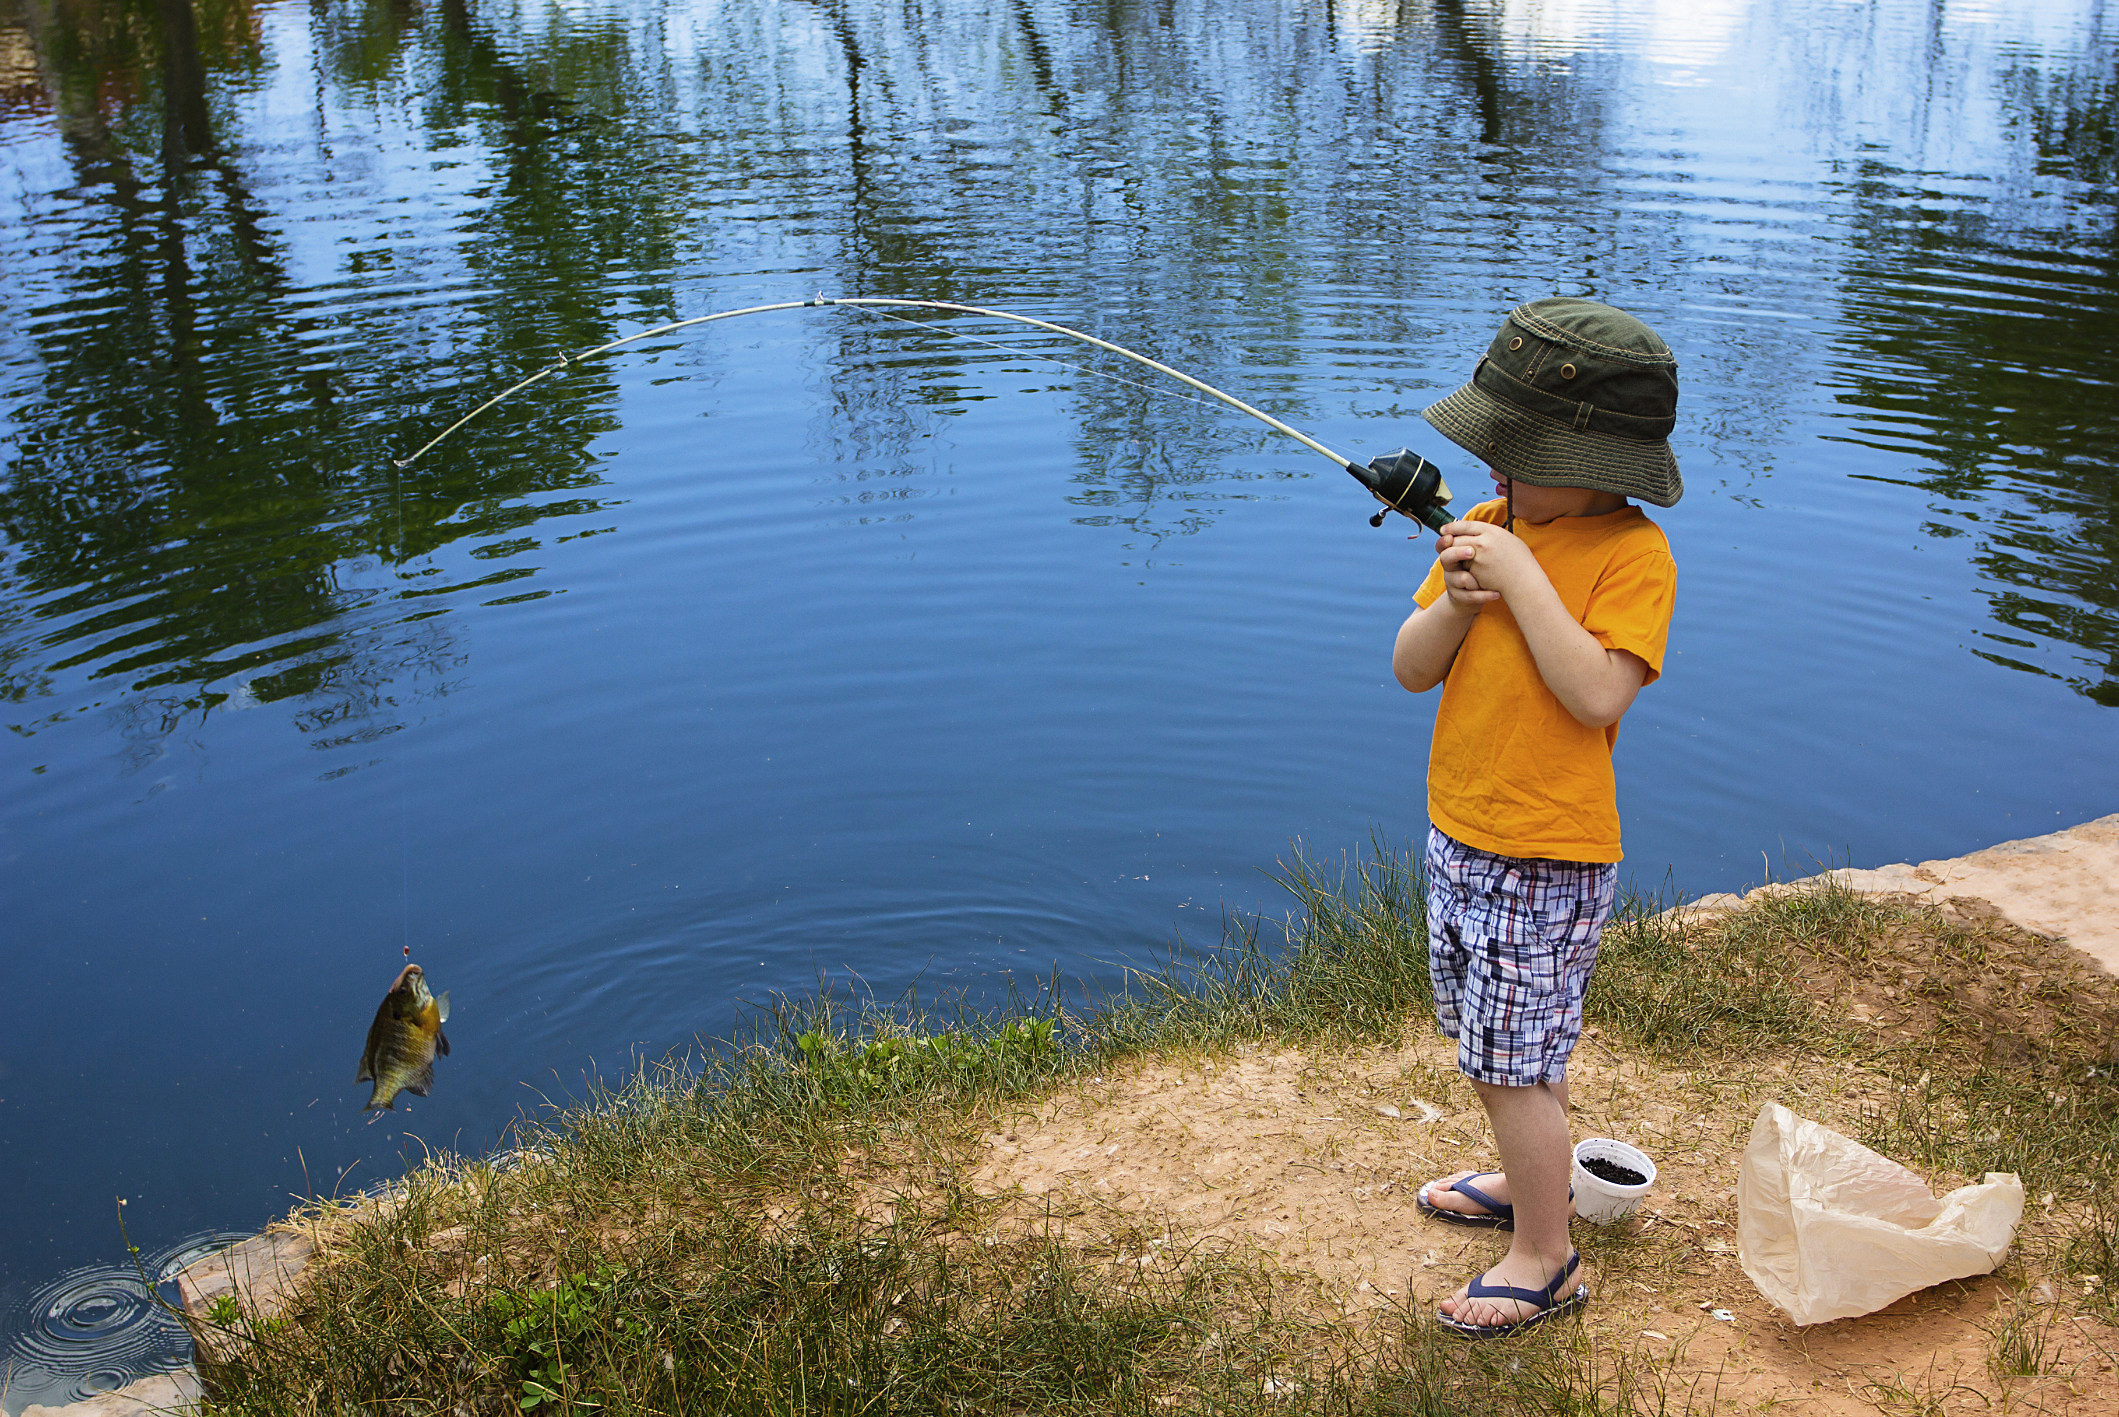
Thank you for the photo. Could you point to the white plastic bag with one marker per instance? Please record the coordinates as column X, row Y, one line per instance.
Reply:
column 1829, row 1229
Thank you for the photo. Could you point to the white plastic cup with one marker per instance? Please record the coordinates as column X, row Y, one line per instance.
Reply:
column 1597, row 1200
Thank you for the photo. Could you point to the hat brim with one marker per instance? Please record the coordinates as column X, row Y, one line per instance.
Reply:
column 1544, row 452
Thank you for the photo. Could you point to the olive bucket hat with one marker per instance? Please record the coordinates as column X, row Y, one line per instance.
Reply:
column 1572, row 394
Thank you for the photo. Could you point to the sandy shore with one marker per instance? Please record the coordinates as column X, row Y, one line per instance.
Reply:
column 2064, row 886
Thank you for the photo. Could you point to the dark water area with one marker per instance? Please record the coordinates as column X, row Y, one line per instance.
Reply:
column 813, row 644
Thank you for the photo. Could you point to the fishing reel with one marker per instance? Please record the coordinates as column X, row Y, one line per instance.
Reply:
column 1408, row 484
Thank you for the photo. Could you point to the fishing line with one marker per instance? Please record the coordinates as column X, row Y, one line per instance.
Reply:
column 404, row 807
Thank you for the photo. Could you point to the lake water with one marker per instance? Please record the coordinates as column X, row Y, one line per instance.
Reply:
column 816, row 645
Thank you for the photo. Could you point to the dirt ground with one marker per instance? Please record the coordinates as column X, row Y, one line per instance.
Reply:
column 1311, row 1162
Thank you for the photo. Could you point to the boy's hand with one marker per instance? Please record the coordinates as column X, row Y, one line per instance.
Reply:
column 1594, row 684
column 1489, row 559
column 1465, row 592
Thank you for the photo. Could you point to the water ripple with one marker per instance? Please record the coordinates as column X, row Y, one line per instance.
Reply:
column 97, row 1328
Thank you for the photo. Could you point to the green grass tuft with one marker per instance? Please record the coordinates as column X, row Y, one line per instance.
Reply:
column 1746, row 982
column 1350, row 965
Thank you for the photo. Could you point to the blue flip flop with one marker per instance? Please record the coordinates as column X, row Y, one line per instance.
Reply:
column 1550, row 1304
column 1500, row 1215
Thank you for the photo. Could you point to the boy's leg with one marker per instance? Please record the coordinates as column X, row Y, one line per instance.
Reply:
column 1495, row 1184
column 1527, row 933
column 1455, row 884
column 1537, row 1158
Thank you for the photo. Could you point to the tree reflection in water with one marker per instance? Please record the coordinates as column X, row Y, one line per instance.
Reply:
column 1992, row 333
column 195, row 497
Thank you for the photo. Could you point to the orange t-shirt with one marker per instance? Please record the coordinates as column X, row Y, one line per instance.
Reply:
column 1511, row 771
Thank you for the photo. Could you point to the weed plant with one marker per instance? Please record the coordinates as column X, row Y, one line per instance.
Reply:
column 1727, row 988
column 1350, row 965
column 2023, row 1339
column 716, row 1312
column 708, row 1237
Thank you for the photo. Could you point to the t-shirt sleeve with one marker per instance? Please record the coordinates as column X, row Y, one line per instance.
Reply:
column 1430, row 589
column 1630, row 608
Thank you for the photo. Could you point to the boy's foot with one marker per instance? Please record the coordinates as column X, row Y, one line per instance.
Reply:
column 1511, row 1296
column 1474, row 1198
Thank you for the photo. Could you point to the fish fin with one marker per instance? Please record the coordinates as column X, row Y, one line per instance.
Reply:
column 367, row 1072
column 421, row 1081
column 441, row 1043
column 443, row 1001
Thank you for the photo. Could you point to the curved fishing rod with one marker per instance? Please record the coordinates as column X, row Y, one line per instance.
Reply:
column 1403, row 481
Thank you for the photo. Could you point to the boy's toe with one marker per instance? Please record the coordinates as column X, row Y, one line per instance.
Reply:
column 1505, row 1302
column 1443, row 1193
column 1483, row 1313
column 1442, row 1184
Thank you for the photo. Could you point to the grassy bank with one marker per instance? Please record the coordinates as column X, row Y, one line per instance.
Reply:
column 787, row 1224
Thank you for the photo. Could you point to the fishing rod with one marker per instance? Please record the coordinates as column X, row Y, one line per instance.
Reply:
column 1403, row 481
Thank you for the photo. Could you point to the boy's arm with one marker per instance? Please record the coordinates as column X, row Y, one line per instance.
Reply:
column 1594, row 684
column 1428, row 642
column 1429, row 639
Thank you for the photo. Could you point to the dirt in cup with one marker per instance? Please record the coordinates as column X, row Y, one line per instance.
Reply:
column 1611, row 1171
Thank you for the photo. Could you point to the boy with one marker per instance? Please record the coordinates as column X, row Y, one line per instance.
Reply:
column 1545, row 613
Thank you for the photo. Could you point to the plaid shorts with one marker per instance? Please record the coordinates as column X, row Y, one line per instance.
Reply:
column 1510, row 944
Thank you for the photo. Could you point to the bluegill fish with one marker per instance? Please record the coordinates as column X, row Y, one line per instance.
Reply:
column 403, row 1040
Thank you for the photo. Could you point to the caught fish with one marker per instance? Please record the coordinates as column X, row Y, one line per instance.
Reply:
column 403, row 1040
